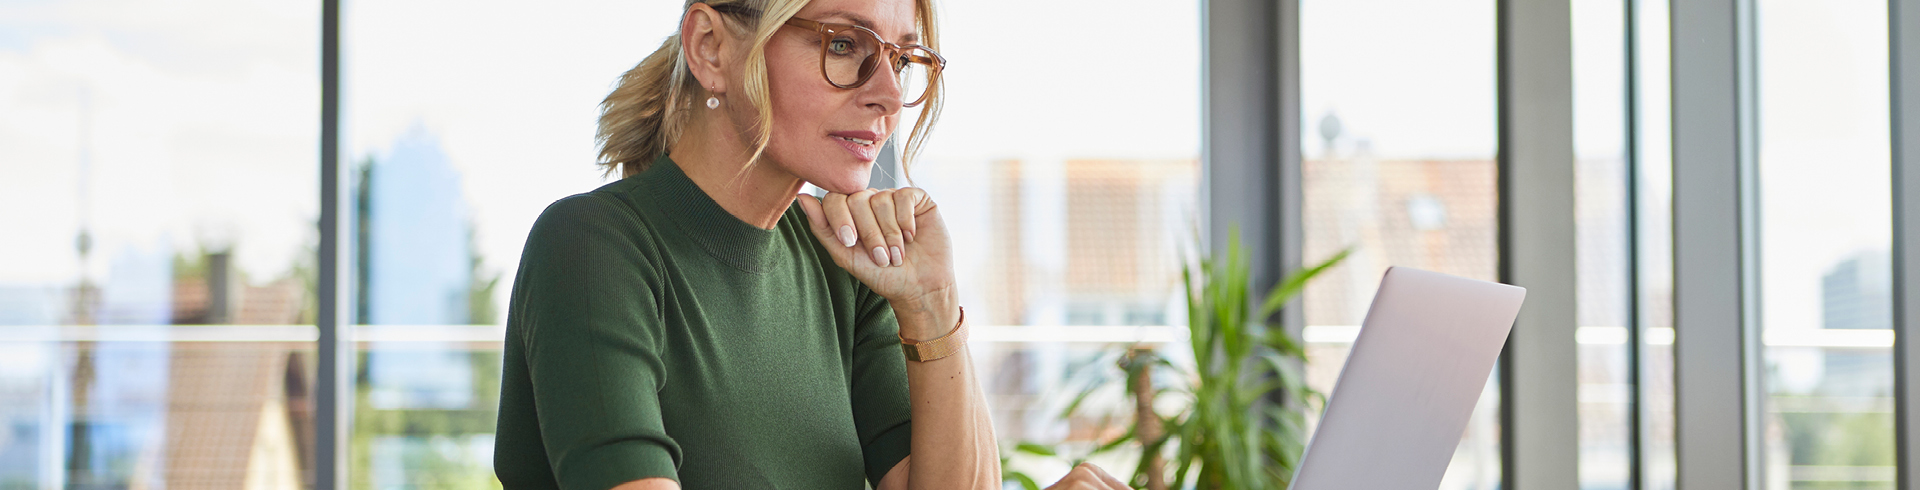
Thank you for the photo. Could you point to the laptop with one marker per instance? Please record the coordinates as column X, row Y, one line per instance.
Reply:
column 1402, row 402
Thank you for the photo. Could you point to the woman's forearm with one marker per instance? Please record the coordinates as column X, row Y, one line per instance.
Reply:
column 953, row 444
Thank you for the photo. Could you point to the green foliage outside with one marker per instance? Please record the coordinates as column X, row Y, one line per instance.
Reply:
column 432, row 442
column 1839, row 439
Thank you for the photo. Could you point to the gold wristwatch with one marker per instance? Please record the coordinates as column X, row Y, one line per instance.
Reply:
column 946, row 345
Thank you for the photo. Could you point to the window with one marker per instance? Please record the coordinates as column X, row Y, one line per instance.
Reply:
column 1825, row 231
column 1071, row 195
column 1603, row 221
column 157, row 195
column 1399, row 165
column 461, row 124
column 1623, row 201
column 1652, row 224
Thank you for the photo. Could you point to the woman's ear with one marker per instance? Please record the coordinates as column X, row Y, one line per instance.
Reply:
column 704, row 42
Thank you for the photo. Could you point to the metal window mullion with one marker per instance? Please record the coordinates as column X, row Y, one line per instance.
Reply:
column 1903, row 32
column 1630, row 156
column 1539, row 370
column 1290, row 193
column 1716, row 342
column 1747, row 178
column 333, row 394
column 1242, row 129
column 1250, row 120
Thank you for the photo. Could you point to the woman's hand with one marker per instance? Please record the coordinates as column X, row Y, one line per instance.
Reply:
column 893, row 241
column 1089, row 477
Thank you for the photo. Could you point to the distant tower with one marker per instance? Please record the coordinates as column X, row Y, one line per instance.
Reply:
column 85, row 293
column 1857, row 293
column 417, row 271
column 1330, row 129
column 419, row 266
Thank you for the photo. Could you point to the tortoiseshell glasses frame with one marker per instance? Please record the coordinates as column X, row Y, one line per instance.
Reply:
column 851, row 39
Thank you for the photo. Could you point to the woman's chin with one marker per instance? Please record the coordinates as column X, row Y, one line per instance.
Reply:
column 846, row 184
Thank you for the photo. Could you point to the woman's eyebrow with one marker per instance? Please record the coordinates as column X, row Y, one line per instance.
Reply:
column 908, row 38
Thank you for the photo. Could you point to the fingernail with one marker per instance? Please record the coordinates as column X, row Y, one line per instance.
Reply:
column 897, row 259
column 846, row 235
column 880, row 256
column 909, row 234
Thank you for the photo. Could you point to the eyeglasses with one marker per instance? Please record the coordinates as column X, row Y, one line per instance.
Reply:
column 850, row 54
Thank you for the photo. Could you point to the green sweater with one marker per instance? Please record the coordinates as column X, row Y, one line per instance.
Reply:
column 652, row 334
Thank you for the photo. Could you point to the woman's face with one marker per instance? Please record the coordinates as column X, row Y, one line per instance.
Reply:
column 826, row 135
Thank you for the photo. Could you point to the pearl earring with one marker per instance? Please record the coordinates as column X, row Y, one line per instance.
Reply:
column 713, row 102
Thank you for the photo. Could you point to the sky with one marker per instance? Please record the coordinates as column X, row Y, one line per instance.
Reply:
column 192, row 137
column 189, row 137
column 1824, row 147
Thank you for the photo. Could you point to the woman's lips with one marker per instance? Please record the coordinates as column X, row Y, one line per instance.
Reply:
column 864, row 145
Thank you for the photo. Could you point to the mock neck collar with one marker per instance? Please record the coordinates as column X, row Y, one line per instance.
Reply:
column 738, row 243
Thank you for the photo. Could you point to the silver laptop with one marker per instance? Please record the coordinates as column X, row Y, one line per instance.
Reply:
column 1403, row 399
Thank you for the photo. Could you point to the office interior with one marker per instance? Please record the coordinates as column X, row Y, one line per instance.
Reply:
column 268, row 244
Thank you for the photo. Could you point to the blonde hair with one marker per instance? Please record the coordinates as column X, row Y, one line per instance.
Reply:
column 649, row 107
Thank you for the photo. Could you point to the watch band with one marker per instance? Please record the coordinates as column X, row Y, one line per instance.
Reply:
column 946, row 345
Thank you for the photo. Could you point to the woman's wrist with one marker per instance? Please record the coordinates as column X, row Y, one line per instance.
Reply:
column 929, row 316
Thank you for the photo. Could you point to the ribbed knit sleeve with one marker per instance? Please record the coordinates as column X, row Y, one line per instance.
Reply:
column 881, row 411
column 589, row 334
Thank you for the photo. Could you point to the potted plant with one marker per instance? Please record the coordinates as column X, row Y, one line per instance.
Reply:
column 1244, row 401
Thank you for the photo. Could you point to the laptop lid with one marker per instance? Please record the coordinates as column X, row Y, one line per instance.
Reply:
column 1403, row 399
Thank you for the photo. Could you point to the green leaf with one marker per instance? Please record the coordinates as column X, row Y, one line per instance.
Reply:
column 1074, row 406
column 1282, row 341
column 1297, row 282
column 1035, row 449
column 1026, row 482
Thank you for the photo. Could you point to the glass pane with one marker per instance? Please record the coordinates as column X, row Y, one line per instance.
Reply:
column 1066, row 217
column 1601, row 213
column 1399, row 164
column 1653, row 242
column 1825, row 230
column 462, row 122
column 157, row 192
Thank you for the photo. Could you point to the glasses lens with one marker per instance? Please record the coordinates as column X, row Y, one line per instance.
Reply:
column 915, row 78
column 848, row 56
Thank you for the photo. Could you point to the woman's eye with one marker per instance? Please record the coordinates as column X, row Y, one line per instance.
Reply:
column 840, row 46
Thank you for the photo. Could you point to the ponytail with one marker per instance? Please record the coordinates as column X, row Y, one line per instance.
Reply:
column 645, row 112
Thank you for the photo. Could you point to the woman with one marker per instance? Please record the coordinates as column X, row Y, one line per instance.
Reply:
column 694, row 324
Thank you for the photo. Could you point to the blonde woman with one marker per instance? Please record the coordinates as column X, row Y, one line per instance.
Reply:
column 695, row 325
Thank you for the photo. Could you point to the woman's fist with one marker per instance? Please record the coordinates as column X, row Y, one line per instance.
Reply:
column 892, row 240
column 1089, row 477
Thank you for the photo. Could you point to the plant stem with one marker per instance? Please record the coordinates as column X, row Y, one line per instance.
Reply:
column 1146, row 423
